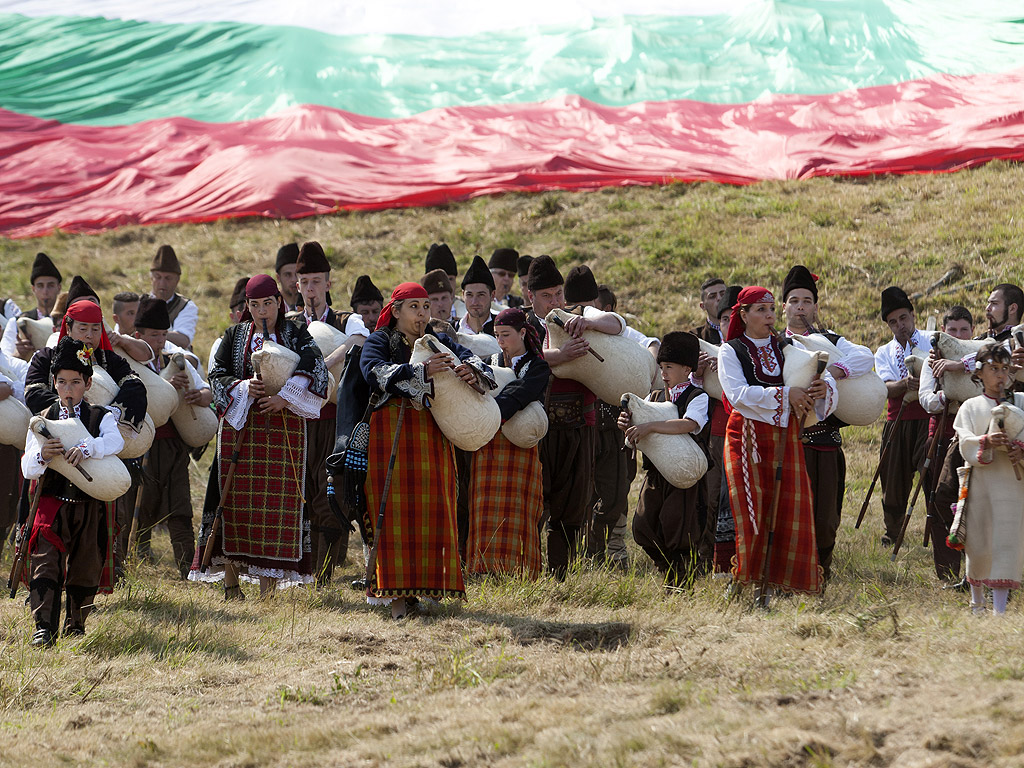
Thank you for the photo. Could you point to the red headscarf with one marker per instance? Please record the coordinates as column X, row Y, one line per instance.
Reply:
column 85, row 311
column 753, row 294
column 402, row 292
column 262, row 287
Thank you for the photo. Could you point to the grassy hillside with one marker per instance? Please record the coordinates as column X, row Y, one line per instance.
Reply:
column 605, row 669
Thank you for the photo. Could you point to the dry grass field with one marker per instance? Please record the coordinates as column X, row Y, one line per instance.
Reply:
column 604, row 669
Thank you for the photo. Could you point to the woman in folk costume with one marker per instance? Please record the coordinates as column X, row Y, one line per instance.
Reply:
column 670, row 521
column 995, row 516
column 264, row 532
column 417, row 545
column 506, row 492
column 764, row 426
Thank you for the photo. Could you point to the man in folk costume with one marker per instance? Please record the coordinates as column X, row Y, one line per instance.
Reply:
column 712, row 291
column 287, row 279
column 264, row 530
column 714, row 436
column 906, row 425
column 367, row 301
column 567, row 451
column 506, row 490
column 45, row 280
column 417, row 551
column 503, row 265
column 942, row 474
column 329, row 534
column 440, row 256
column 522, row 273
column 164, row 275
column 1003, row 312
column 10, row 475
column 823, row 443
column 764, row 430
column 477, row 292
column 166, row 496
column 441, row 297
column 670, row 522
column 477, row 295
column 614, row 469
column 69, row 544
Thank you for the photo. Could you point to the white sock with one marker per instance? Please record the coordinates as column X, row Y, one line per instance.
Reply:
column 977, row 596
column 999, row 598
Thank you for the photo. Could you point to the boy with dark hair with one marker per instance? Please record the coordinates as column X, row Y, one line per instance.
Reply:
column 69, row 543
column 126, row 306
column 669, row 522
column 942, row 481
column 712, row 291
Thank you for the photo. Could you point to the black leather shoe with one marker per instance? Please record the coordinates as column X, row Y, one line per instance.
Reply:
column 359, row 585
column 43, row 638
column 74, row 631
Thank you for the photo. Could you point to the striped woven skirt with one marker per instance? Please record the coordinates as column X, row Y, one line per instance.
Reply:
column 506, row 503
column 264, row 530
column 418, row 553
column 750, row 448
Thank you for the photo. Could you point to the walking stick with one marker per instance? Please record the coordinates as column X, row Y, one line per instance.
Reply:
column 929, row 494
column 780, row 449
column 878, row 469
column 229, row 479
column 133, row 531
column 881, row 461
column 932, row 445
column 371, row 561
column 18, row 566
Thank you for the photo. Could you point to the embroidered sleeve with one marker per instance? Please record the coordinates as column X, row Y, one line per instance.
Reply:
column 824, row 407
column 301, row 401
column 394, row 378
column 857, row 359
column 238, row 406
column 985, row 452
column 32, row 463
column 968, row 361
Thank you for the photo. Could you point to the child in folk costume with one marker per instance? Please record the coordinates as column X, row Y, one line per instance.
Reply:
column 670, row 521
column 995, row 519
column 764, row 427
column 69, row 544
column 166, row 494
column 417, row 545
column 506, row 499
column 264, row 530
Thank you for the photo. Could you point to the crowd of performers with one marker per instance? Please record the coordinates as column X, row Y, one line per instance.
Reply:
column 295, row 472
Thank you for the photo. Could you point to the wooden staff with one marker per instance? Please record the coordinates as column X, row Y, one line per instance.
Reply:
column 437, row 350
column 932, row 445
column 929, row 496
column 780, row 449
column 18, row 566
column 229, row 479
column 561, row 324
column 371, row 561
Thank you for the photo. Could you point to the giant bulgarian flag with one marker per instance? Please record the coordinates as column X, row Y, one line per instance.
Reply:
column 118, row 111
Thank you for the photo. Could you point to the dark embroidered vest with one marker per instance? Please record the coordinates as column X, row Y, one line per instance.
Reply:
column 54, row 483
column 658, row 396
column 175, row 305
column 750, row 362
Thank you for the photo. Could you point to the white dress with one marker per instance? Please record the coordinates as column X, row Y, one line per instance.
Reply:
column 995, row 502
